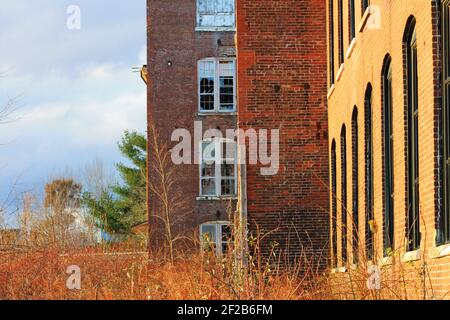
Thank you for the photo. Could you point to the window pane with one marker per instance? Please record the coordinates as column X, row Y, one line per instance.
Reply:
column 208, row 236
column 228, row 187
column 229, row 152
column 206, row 82
column 208, row 170
column 226, row 232
column 208, row 187
column 226, row 93
column 208, row 152
column 227, row 170
column 226, row 237
column 207, row 102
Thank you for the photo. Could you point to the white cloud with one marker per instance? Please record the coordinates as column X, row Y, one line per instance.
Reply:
column 77, row 90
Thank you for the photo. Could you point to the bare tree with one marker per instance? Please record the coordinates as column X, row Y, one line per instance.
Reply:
column 96, row 177
column 171, row 208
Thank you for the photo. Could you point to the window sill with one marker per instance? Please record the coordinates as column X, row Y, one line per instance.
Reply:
column 215, row 113
column 350, row 49
column 339, row 270
column 440, row 251
column 411, row 256
column 215, row 198
column 330, row 92
column 364, row 19
column 340, row 72
column 215, row 29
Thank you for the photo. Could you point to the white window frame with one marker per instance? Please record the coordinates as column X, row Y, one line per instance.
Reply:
column 213, row 28
column 218, row 241
column 218, row 159
column 217, row 76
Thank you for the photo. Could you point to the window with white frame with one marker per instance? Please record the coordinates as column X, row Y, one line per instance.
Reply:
column 215, row 15
column 218, row 168
column 217, row 85
column 215, row 236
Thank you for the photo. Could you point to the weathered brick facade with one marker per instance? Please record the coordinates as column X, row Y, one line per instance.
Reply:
column 381, row 32
column 282, row 85
column 174, row 48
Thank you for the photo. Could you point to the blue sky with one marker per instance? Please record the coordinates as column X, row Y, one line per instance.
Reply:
column 74, row 89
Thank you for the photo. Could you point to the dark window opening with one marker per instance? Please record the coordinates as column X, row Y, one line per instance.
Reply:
column 355, row 201
column 369, row 215
column 333, row 206
column 413, row 219
column 365, row 5
column 352, row 29
column 331, row 45
column 341, row 31
column 388, row 140
column 344, row 195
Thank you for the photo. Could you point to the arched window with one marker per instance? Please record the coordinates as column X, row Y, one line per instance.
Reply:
column 344, row 195
column 413, row 219
column 369, row 216
column 355, row 201
column 351, row 20
column 331, row 44
column 365, row 4
column 388, row 162
column 444, row 221
column 333, row 206
column 341, row 31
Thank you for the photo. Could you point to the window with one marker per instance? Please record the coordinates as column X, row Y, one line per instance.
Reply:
column 216, row 236
column 331, row 44
column 333, row 205
column 344, row 195
column 215, row 15
column 341, row 31
column 217, row 85
column 365, row 5
column 352, row 22
column 369, row 173
column 218, row 168
column 444, row 221
column 355, row 201
column 413, row 219
column 388, row 141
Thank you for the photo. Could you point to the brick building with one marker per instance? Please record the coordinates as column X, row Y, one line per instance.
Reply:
column 388, row 118
column 191, row 82
column 281, row 84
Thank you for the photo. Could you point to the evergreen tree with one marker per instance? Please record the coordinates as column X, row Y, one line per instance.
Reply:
column 123, row 205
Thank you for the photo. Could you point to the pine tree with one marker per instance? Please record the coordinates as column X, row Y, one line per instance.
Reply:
column 123, row 205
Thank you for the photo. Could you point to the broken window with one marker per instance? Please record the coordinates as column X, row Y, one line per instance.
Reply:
column 215, row 15
column 218, row 168
column 217, row 85
column 215, row 236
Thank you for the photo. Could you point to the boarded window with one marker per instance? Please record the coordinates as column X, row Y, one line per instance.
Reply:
column 215, row 14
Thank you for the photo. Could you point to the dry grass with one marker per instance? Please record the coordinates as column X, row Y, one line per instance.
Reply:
column 122, row 273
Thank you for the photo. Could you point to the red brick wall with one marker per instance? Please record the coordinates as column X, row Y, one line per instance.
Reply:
column 282, row 85
column 173, row 96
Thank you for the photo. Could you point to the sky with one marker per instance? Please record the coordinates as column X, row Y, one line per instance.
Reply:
column 73, row 88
